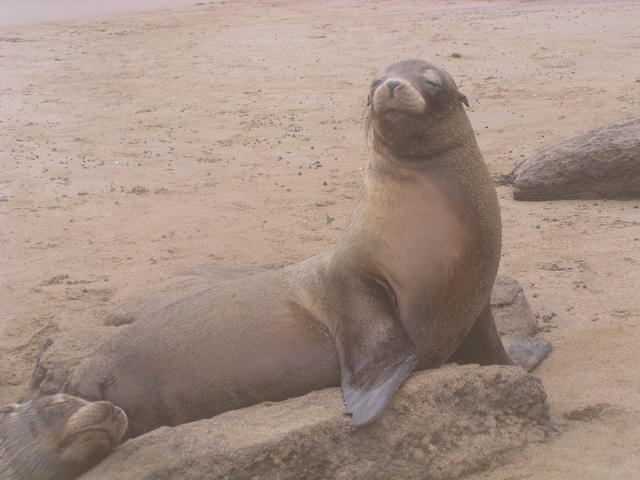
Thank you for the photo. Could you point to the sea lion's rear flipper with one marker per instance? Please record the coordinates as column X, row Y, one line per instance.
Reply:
column 483, row 345
column 375, row 352
column 525, row 350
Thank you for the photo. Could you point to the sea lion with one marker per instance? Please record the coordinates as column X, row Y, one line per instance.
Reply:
column 407, row 286
column 56, row 437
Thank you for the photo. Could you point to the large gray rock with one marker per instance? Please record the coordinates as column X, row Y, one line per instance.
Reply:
column 516, row 323
column 511, row 309
column 604, row 163
column 441, row 424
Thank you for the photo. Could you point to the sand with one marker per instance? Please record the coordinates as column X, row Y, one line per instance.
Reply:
column 138, row 146
column 26, row 12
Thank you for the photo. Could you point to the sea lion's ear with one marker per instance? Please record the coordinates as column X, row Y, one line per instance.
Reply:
column 375, row 352
column 369, row 100
column 463, row 99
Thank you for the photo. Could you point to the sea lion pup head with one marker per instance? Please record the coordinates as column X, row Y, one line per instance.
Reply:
column 57, row 437
column 416, row 110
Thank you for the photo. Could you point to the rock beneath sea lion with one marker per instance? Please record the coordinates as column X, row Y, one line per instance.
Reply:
column 516, row 323
column 511, row 310
column 441, row 424
column 601, row 164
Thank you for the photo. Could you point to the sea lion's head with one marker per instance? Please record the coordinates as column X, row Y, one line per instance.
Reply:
column 416, row 109
column 57, row 437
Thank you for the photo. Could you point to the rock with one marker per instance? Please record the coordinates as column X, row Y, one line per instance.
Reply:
column 516, row 324
column 441, row 424
column 510, row 308
column 604, row 163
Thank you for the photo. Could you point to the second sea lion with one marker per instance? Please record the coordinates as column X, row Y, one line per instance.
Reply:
column 56, row 437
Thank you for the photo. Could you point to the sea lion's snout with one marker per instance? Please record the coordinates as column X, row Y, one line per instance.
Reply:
column 109, row 416
column 397, row 96
column 91, row 417
column 391, row 85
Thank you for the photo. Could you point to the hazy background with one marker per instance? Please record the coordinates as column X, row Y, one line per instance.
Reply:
column 24, row 12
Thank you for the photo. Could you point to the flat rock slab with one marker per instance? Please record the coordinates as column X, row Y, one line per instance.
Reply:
column 441, row 424
column 516, row 323
column 602, row 164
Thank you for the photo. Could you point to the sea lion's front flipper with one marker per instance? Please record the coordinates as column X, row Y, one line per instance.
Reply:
column 375, row 352
column 369, row 391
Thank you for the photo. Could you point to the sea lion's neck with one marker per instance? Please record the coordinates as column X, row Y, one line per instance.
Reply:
column 410, row 154
column 452, row 159
column 400, row 194
column 424, row 139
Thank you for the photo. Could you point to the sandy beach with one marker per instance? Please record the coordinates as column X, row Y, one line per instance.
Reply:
column 137, row 146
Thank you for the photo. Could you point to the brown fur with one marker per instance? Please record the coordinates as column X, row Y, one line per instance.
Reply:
column 407, row 281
